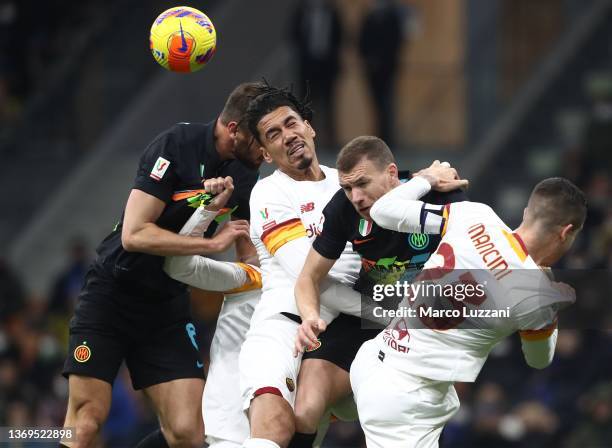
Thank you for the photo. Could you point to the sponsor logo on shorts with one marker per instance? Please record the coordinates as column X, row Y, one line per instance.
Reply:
column 82, row 353
column 290, row 384
column 418, row 241
column 191, row 332
column 312, row 348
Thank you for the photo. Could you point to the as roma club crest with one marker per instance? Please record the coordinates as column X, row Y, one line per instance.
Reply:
column 315, row 346
column 290, row 384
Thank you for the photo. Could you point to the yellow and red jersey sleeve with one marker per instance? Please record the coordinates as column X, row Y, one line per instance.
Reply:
column 538, row 335
column 280, row 234
column 253, row 282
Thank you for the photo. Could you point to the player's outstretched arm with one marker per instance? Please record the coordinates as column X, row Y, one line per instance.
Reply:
column 141, row 234
column 401, row 211
column 210, row 275
column 316, row 267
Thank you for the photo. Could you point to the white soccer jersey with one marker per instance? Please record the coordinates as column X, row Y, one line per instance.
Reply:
column 455, row 349
column 283, row 211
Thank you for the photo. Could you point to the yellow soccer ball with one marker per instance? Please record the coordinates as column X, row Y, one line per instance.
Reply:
column 183, row 39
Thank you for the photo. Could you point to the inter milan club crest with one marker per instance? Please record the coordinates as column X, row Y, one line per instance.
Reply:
column 365, row 227
column 82, row 353
column 418, row 241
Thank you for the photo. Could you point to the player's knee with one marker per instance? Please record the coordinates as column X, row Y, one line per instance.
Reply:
column 88, row 420
column 184, row 432
column 275, row 422
column 309, row 408
column 281, row 428
column 307, row 415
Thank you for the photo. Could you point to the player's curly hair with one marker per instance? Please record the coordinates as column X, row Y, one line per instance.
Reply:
column 270, row 99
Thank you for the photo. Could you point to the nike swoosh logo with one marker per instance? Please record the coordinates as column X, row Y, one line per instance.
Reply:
column 184, row 46
column 199, row 365
column 357, row 242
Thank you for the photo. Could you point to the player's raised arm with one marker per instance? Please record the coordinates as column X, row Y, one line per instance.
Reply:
column 400, row 209
column 141, row 234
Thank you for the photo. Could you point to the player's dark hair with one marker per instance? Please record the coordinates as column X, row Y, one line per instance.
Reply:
column 238, row 102
column 370, row 147
column 270, row 99
column 557, row 202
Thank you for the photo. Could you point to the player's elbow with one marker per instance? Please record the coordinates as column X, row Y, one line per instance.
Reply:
column 129, row 241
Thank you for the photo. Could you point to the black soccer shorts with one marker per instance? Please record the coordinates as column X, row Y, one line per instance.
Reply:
column 157, row 339
column 341, row 341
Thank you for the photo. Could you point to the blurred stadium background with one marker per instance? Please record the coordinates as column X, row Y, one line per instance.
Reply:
column 510, row 91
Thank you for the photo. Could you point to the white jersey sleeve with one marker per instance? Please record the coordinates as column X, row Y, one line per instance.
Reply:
column 212, row 275
column 536, row 320
column 400, row 209
column 538, row 332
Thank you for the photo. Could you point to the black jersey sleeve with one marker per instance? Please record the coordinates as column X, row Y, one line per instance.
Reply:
column 157, row 169
column 333, row 237
column 435, row 197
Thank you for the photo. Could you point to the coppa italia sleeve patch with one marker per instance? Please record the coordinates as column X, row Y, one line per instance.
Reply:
column 160, row 168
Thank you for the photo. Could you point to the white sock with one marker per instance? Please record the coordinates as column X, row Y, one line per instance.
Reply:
column 259, row 443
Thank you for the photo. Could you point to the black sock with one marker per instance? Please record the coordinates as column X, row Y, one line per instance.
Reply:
column 154, row 440
column 301, row 440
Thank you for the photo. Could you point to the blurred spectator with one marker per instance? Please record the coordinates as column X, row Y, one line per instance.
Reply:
column 595, row 428
column 12, row 293
column 380, row 42
column 598, row 135
column 12, row 54
column 316, row 33
column 490, row 405
column 68, row 283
